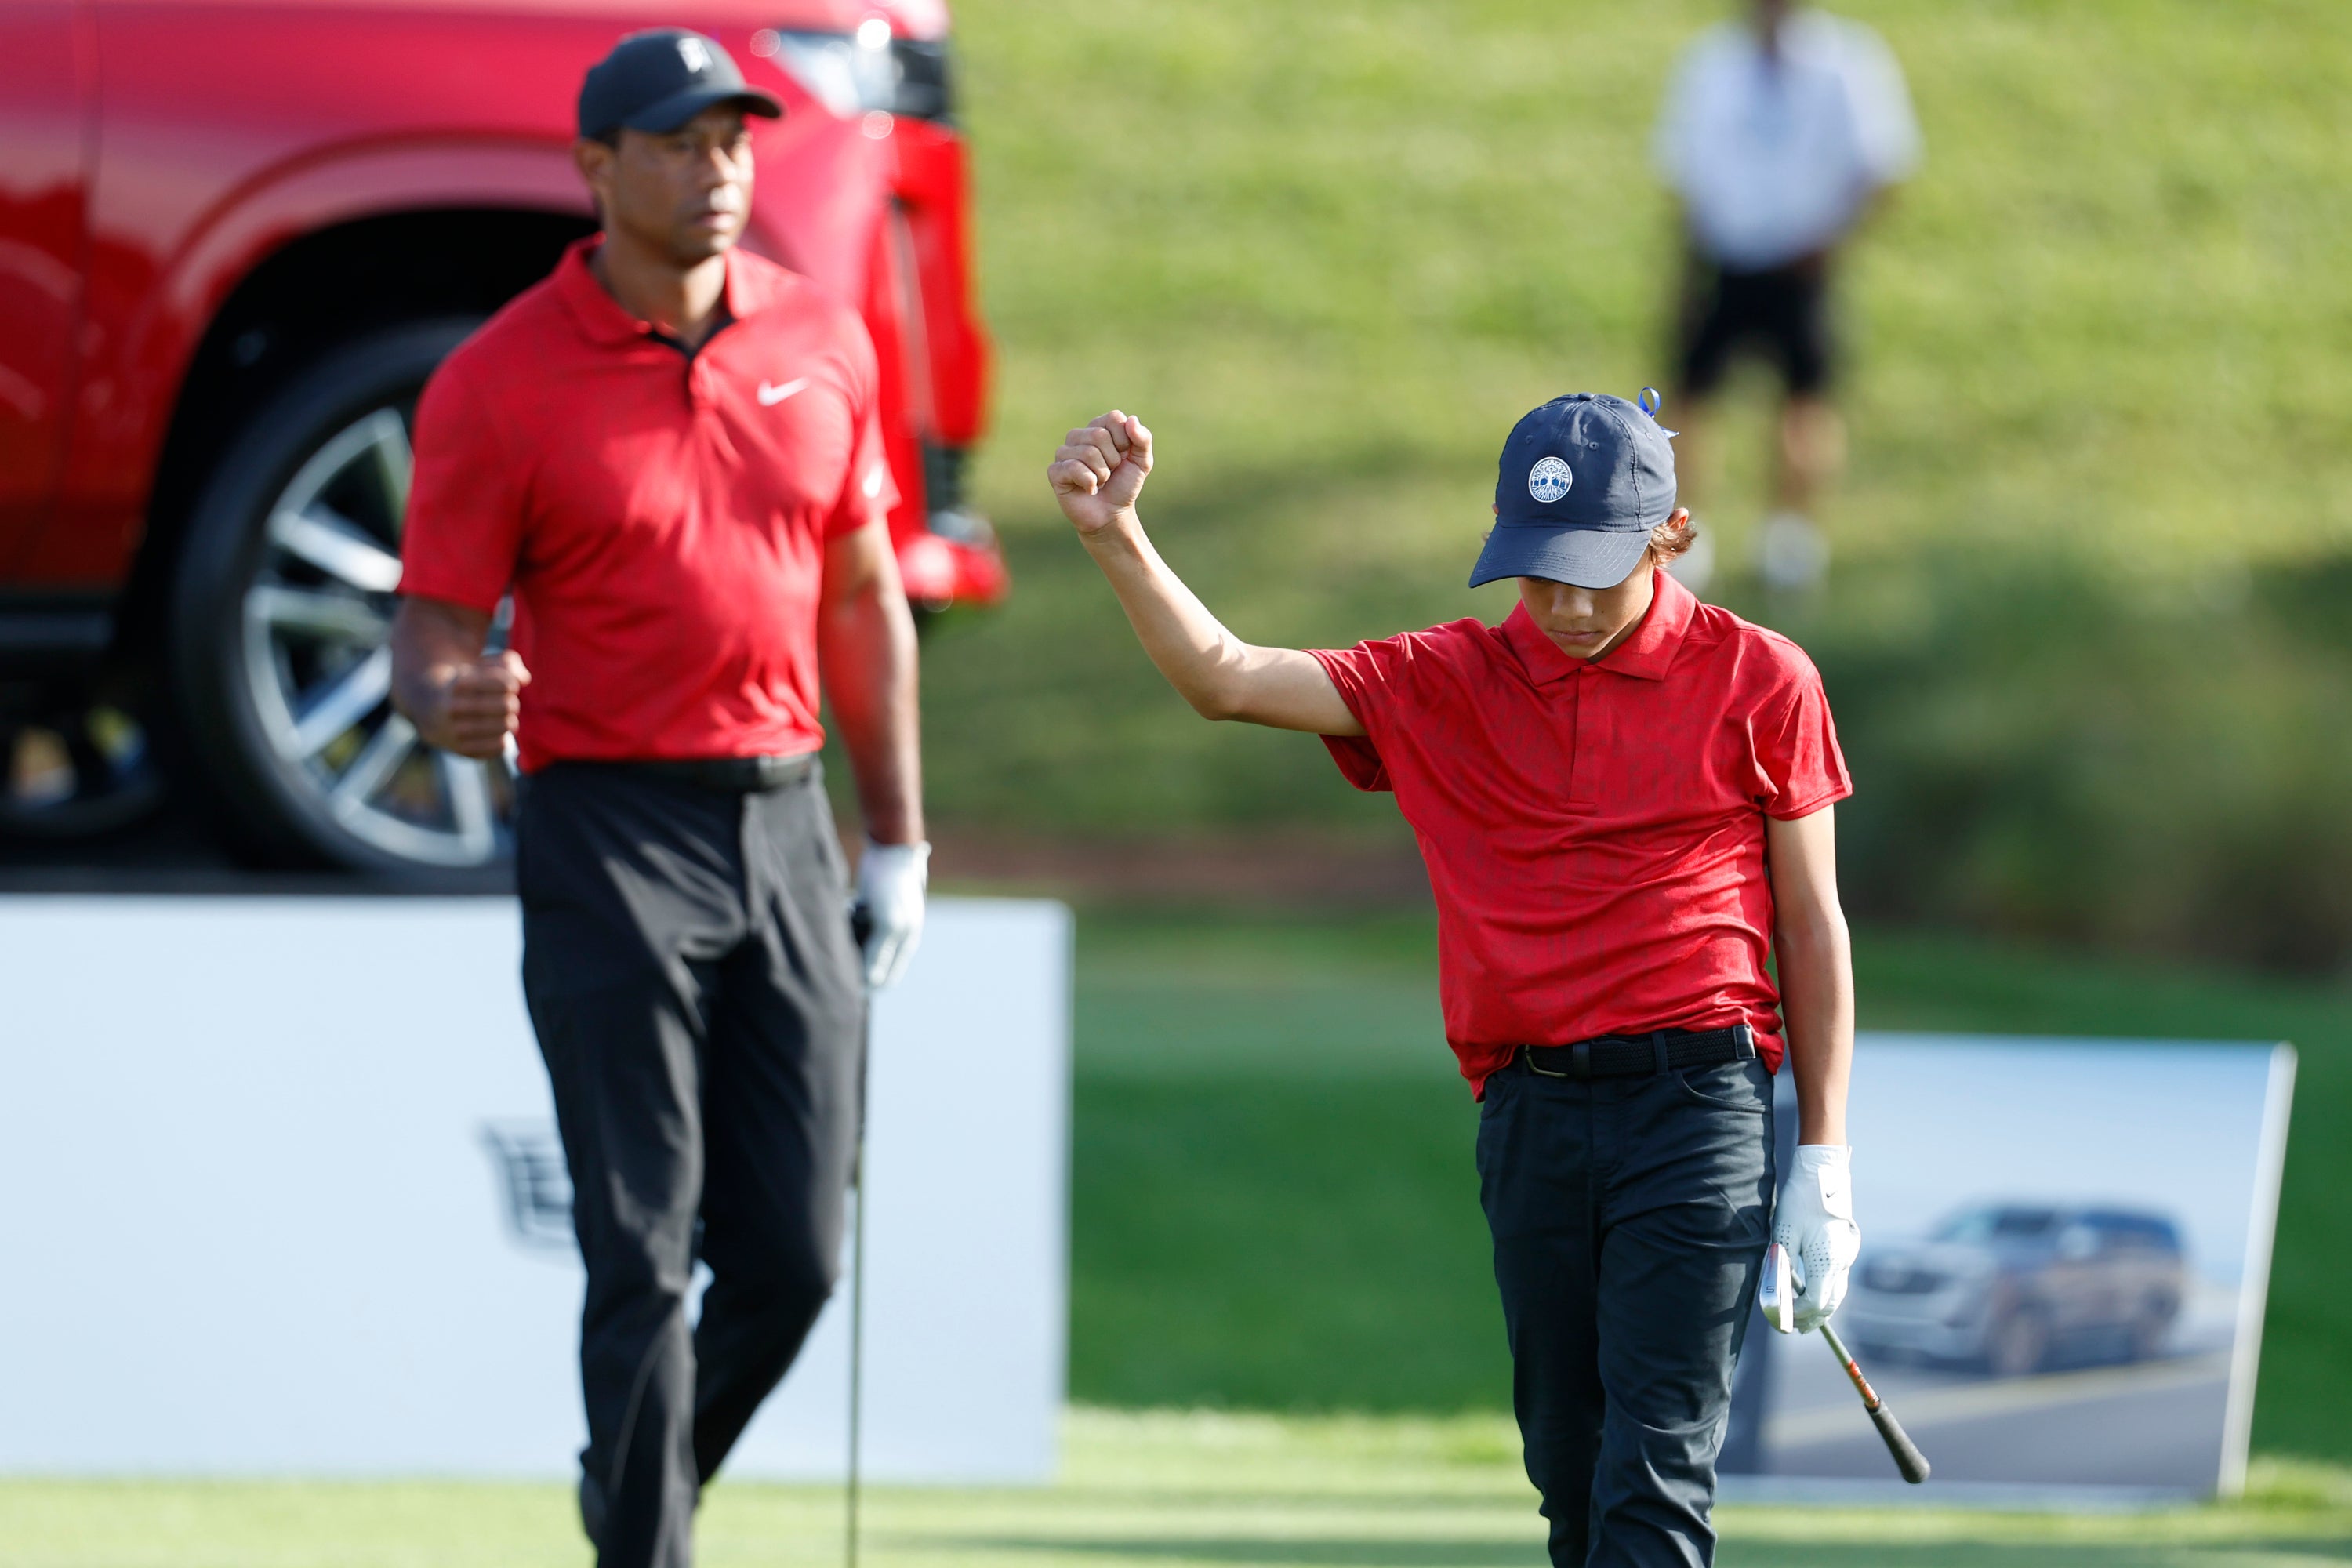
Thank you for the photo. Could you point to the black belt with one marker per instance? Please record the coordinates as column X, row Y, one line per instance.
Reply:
column 739, row 775
column 1623, row 1056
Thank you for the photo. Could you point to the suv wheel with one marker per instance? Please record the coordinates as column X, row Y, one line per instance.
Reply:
column 2019, row 1344
column 280, row 614
column 2150, row 1327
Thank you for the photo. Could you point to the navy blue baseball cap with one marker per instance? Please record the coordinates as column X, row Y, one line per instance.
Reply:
column 658, row 80
column 1582, row 482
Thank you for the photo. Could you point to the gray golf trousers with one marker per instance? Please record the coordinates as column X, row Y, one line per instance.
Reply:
column 1629, row 1217
column 690, row 973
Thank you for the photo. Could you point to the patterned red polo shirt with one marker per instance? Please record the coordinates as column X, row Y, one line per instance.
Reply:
column 1594, row 828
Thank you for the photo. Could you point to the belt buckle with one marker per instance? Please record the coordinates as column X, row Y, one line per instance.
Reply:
column 1579, row 1056
column 772, row 773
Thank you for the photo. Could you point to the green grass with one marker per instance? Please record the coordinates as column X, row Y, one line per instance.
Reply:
column 1273, row 1203
column 1331, row 253
column 1174, row 1491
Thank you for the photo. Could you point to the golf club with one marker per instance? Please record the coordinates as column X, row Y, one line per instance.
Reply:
column 861, row 926
column 1908, row 1457
column 1779, row 1302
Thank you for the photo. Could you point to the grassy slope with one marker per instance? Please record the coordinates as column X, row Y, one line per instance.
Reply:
column 1273, row 1203
column 1182, row 1490
column 1331, row 251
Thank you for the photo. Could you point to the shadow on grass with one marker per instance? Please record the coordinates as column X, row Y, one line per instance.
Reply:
column 1431, row 1553
column 1444, row 1552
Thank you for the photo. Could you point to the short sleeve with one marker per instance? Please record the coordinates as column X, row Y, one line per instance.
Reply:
column 464, row 528
column 1371, row 679
column 1887, row 133
column 868, row 490
column 1797, row 750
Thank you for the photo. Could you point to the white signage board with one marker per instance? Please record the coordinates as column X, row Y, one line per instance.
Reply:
column 283, row 1196
column 2066, row 1254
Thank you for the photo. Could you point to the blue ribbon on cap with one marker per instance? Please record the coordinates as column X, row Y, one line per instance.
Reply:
column 1650, row 403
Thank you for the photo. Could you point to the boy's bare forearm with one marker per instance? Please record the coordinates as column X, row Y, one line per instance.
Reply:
column 1097, row 476
column 1816, row 969
column 1817, row 1003
column 1188, row 645
column 1220, row 675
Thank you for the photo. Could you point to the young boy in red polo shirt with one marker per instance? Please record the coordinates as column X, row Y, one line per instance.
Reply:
column 1624, row 797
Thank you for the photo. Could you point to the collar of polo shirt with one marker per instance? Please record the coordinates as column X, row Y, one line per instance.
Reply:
column 601, row 316
column 1646, row 654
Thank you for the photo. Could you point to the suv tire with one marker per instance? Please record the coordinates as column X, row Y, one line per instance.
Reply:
column 2018, row 1345
column 281, row 602
column 2150, row 1328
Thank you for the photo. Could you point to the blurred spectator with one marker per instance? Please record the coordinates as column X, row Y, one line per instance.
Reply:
column 1778, row 135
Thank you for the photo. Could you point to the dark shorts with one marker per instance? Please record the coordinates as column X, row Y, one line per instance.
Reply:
column 1783, row 314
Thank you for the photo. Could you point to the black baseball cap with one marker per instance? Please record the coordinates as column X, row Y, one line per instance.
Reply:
column 1582, row 482
column 658, row 80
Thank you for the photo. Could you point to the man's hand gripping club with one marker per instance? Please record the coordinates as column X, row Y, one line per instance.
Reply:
column 886, row 907
column 460, row 698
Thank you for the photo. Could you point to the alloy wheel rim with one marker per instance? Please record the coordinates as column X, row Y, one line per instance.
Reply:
column 317, row 617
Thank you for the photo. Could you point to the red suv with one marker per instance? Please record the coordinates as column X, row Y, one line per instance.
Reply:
column 236, row 235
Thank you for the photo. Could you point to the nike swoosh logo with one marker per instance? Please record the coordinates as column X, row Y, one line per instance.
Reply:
column 771, row 393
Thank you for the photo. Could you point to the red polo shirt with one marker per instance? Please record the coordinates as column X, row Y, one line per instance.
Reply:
column 661, row 519
column 1594, row 828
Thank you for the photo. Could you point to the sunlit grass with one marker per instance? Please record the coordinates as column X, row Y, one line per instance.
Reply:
column 1167, row 1488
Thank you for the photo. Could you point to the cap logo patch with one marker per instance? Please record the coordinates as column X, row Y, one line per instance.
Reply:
column 695, row 54
column 1550, row 479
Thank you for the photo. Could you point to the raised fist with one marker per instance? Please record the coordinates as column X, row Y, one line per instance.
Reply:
column 1100, row 470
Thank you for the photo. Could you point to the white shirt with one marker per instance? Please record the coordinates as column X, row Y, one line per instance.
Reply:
column 1774, row 157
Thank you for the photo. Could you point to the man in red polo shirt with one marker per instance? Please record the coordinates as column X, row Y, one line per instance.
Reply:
column 1623, row 796
column 667, row 453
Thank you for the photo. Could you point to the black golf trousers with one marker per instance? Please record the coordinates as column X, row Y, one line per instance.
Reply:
column 1629, row 1217
column 690, row 973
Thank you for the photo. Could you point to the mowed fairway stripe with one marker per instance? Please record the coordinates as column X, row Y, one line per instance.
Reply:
column 1158, row 1488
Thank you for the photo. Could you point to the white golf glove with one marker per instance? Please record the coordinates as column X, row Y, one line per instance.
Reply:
column 890, row 882
column 1813, row 1225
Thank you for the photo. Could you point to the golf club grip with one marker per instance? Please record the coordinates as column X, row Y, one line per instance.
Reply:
column 1908, row 1457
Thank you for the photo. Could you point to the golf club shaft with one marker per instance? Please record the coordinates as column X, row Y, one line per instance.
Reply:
column 860, row 927
column 1908, row 1457
column 856, row 1351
